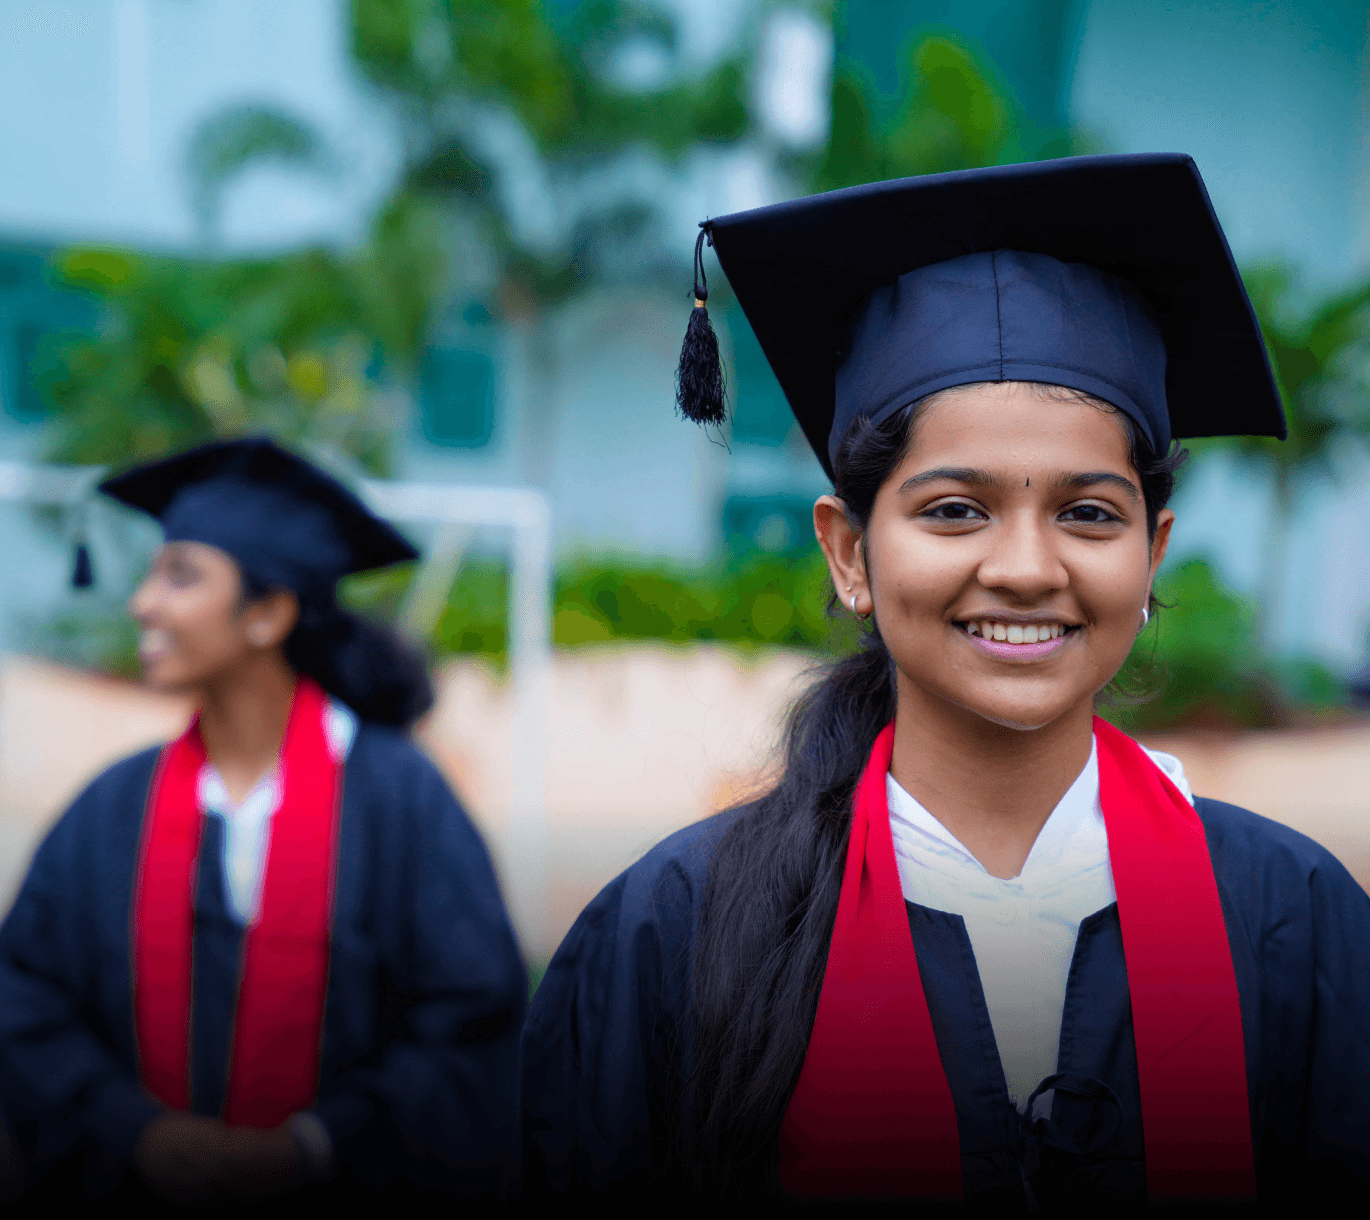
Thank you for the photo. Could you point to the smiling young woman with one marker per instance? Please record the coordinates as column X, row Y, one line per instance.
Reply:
column 975, row 944
column 1011, row 552
column 269, row 959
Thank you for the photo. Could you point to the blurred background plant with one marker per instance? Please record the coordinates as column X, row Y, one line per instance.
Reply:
column 541, row 147
column 306, row 344
column 1320, row 353
column 953, row 110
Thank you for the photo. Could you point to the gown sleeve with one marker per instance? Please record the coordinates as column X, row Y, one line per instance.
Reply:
column 65, row 1075
column 1299, row 926
column 605, row 1048
column 435, row 1102
column 1338, row 1112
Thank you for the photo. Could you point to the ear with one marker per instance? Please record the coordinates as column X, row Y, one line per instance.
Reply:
column 271, row 619
column 842, row 548
column 1164, row 520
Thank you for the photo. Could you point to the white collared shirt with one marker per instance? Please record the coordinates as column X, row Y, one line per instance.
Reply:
column 1022, row 930
column 247, row 826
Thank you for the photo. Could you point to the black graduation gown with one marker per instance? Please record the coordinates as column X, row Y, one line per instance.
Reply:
column 606, row 1044
column 426, row 989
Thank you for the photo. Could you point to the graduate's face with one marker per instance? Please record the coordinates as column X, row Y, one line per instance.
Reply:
column 196, row 627
column 1006, row 558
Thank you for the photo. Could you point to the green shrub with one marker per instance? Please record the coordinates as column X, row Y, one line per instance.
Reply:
column 1200, row 664
column 757, row 600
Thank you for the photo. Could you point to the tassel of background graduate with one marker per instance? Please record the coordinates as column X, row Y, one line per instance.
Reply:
column 82, row 570
column 699, row 389
column 82, row 573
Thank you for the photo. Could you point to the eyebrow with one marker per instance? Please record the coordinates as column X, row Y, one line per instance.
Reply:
column 954, row 474
column 976, row 477
column 1092, row 478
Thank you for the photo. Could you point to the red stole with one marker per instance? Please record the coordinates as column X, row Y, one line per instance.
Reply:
column 274, row 1064
column 872, row 1114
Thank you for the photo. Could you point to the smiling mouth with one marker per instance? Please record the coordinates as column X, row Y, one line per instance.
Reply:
column 1017, row 633
column 153, row 644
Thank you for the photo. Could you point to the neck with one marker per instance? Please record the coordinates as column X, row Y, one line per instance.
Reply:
column 243, row 716
column 993, row 787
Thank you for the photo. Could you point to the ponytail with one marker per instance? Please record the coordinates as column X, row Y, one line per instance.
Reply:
column 768, row 918
column 362, row 664
column 381, row 678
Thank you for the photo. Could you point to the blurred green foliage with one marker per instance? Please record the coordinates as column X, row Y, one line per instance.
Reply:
column 953, row 111
column 450, row 66
column 1200, row 663
column 190, row 350
column 757, row 600
column 1320, row 354
column 551, row 64
column 306, row 345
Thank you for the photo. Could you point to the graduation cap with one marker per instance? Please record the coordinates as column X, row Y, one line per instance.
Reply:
column 283, row 520
column 1106, row 274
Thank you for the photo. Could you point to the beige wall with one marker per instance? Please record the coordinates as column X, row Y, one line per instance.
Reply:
column 644, row 740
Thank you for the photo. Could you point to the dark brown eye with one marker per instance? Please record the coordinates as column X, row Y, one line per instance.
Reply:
column 954, row 511
column 180, row 573
column 1089, row 514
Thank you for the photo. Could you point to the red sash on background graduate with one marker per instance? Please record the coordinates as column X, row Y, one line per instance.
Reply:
column 274, row 1063
column 872, row 1114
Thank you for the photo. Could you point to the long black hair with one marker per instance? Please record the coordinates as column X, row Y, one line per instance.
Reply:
column 776, row 872
column 364, row 665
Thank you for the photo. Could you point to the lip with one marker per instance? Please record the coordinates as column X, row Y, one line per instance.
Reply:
column 1004, row 651
column 153, row 645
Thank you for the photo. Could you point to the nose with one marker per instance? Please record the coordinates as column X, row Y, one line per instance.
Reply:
column 1022, row 561
column 143, row 602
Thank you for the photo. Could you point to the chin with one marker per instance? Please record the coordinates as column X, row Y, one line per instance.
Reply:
column 1024, row 716
column 161, row 677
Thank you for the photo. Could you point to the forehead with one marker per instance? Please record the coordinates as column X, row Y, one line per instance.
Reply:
column 1012, row 426
column 201, row 554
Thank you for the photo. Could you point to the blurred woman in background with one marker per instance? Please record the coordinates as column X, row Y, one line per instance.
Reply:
column 975, row 944
column 271, row 954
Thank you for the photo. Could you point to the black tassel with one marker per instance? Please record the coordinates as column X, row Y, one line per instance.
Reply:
column 82, row 573
column 699, row 390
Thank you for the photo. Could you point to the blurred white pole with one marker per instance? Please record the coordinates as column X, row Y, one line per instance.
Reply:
column 528, row 514
column 53, row 486
column 432, row 584
column 456, row 510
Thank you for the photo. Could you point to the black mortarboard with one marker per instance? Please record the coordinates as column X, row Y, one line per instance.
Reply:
column 283, row 520
column 1107, row 274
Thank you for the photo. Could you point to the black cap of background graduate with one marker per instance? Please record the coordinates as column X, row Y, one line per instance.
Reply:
column 283, row 520
column 1106, row 274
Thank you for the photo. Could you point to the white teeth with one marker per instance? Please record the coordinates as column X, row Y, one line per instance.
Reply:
column 1016, row 633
